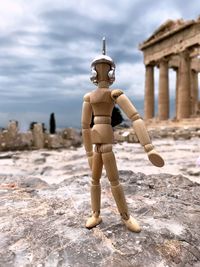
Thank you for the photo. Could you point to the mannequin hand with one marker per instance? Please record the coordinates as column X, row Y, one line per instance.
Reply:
column 155, row 158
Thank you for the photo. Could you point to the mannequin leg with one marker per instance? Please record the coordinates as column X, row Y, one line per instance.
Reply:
column 116, row 188
column 97, row 165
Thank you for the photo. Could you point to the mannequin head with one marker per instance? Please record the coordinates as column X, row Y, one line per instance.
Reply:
column 103, row 69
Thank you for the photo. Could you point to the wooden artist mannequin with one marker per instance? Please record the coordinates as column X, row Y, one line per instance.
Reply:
column 100, row 103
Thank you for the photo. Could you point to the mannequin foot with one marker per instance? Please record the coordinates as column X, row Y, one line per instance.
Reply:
column 132, row 225
column 155, row 158
column 93, row 221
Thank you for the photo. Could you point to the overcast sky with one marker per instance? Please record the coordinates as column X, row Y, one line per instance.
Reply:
column 46, row 47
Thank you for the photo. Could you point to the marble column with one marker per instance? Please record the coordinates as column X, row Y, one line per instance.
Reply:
column 194, row 91
column 149, row 92
column 183, row 110
column 163, row 94
column 12, row 129
column 177, row 86
column 38, row 136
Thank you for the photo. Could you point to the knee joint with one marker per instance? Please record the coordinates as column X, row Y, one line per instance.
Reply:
column 114, row 183
column 95, row 182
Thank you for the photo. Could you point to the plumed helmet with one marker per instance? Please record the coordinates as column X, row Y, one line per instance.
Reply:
column 103, row 59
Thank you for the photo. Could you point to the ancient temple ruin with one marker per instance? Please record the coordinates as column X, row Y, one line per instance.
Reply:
column 176, row 45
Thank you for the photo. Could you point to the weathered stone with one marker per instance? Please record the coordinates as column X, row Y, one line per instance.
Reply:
column 194, row 171
column 67, row 143
column 132, row 138
column 27, row 139
column 69, row 133
column 158, row 133
column 40, row 160
column 11, row 139
column 6, row 155
column 73, row 135
column 54, row 141
column 32, row 182
column 118, row 136
column 38, row 136
column 45, row 226
column 12, row 129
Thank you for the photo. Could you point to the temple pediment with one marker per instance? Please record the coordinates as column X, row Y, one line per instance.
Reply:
column 171, row 38
column 166, row 27
column 165, row 30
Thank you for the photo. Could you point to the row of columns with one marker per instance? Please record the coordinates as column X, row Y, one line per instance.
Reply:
column 186, row 90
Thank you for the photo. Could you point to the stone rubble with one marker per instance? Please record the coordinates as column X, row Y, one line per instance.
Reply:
column 12, row 139
column 184, row 132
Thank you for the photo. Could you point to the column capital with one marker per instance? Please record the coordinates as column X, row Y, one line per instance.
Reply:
column 163, row 60
column 185, row 54
column 150, row 64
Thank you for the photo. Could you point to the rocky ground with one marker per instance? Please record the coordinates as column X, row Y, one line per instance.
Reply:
column 44, row 202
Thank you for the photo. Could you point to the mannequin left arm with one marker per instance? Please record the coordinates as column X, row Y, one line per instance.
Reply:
column 138, row 124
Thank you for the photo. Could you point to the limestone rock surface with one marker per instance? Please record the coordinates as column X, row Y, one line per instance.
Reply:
column 42, row 224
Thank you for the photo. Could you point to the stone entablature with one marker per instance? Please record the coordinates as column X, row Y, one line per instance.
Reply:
column 175, row 44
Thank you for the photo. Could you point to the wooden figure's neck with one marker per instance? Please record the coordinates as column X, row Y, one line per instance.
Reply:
column 103, row 84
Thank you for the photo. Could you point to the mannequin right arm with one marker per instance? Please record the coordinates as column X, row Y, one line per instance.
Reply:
column 86, row 130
